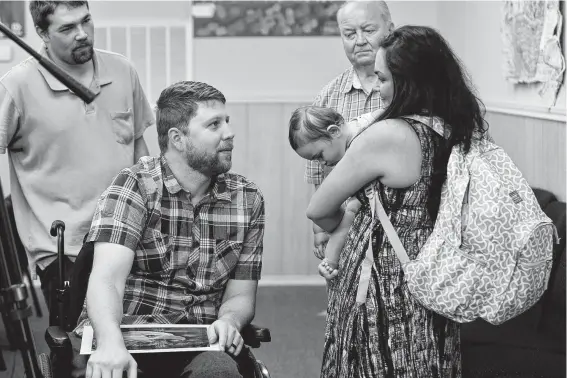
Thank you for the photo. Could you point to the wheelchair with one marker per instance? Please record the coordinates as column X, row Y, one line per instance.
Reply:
column 70, row 298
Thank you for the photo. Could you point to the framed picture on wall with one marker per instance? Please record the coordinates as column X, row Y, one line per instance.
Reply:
column 265, row 18
column 13, row 15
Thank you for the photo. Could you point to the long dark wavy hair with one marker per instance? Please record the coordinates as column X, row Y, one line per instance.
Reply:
column 429, row 80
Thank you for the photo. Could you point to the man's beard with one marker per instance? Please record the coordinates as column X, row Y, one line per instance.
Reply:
column 83, row 55
column 206, row 163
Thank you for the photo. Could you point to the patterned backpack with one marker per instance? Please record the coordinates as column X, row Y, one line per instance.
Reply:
column 490, row 252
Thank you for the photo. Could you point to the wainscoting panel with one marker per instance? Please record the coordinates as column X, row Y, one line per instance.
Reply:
column 537, row 147
column 262, row 153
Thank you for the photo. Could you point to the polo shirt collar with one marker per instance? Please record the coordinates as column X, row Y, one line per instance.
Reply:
column 219, row 190
column 348, row 84
column 101, row 74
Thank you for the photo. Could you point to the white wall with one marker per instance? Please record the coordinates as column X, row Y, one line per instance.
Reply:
column 293, row 69
column 473, row 30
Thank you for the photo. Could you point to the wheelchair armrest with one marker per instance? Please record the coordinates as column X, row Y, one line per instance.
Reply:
column 254, row 335
column 57, row 338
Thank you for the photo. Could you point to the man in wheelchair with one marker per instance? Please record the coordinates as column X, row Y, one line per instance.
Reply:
column 177, row 239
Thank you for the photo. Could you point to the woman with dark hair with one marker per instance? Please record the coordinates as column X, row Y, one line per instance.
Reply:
column 390, row 334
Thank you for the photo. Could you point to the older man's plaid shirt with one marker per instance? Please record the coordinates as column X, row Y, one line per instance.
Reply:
column 184, row 254
column 345, row 95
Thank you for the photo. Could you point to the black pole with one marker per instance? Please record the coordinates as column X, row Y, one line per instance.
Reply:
column 2, row 362
column 79, row 89
column 13, row 296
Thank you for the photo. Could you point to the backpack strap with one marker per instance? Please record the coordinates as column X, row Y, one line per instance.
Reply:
column 434, row 123
column 389, row 228
column 365, row 272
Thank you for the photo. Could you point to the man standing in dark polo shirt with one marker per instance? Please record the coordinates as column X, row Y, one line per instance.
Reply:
column 177, row 239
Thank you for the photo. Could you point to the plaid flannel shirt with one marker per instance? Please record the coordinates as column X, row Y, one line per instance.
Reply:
column 345, row 95
column 184, row 254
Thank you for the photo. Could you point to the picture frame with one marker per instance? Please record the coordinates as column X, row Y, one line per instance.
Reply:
column 157, row 338
column 265, row 18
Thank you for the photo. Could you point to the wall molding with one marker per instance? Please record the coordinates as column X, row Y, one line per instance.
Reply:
column 556, row 113
column 529, row 111
column 291, row 280
column 268, row 98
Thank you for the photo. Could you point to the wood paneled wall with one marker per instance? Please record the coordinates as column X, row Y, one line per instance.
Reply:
column 262, row 153
column 536, row 145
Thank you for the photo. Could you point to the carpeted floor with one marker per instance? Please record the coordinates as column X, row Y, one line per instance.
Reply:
column 293, row 315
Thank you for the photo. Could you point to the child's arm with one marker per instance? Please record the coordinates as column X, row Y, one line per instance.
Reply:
column 329, row 266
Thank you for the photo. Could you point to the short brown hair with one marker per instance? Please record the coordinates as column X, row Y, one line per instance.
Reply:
column 178, row 104
column 40, row 10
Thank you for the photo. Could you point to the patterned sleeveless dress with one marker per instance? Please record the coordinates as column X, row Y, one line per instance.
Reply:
column 391, row 335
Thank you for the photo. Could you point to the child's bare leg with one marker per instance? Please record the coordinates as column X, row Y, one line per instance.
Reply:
column 328, row 268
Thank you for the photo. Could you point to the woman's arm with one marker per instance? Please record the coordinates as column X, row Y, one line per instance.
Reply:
column 389, row 151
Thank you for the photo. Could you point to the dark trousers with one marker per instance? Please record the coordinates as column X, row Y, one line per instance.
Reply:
column 188, row 365
column 49, row 278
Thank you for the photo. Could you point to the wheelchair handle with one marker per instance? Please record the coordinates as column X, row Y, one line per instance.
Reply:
column 58, row 229
column 55, row 226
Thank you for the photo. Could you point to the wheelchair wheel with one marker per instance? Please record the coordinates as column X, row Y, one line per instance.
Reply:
column 261, row 370
column 44, row 364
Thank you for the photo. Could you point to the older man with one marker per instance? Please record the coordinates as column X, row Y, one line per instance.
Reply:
column 177, row 239
column 363, row 24
column 64, row 152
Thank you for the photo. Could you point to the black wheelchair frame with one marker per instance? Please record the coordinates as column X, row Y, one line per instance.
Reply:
column 70, row 298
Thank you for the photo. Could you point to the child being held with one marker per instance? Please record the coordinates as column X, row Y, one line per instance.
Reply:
column 318, row 133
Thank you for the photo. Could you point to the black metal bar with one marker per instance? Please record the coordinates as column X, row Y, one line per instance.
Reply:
column 2, row 362
column 79, row 89
column 14, row 307
column 34, row 296
column 58, row 229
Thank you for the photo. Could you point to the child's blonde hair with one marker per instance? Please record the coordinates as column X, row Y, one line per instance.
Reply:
column 310, row 123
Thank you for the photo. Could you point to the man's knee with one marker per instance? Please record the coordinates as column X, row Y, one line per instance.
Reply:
column 212, row 365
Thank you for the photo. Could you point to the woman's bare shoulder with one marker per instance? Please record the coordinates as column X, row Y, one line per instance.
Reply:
column 386, row 133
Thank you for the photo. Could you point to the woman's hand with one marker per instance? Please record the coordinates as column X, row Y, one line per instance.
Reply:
column 319, row 244
column 320, row 239
column 353, row 205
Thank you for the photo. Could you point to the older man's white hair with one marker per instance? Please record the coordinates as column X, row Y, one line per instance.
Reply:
column 382, row 7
